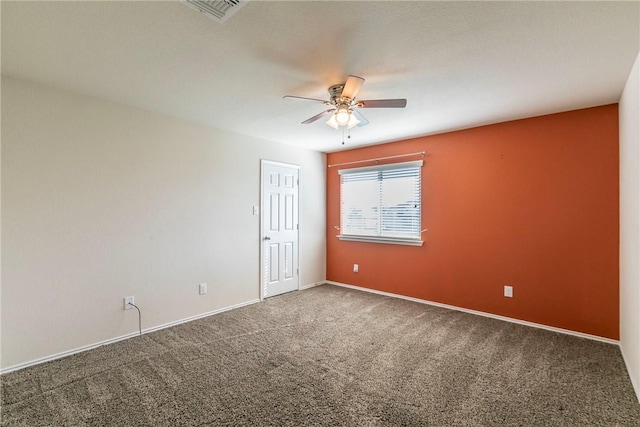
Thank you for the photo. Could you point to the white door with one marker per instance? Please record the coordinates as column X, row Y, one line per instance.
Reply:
column 279, row 230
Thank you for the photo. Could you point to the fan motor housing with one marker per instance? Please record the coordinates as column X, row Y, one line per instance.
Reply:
column 335, row 92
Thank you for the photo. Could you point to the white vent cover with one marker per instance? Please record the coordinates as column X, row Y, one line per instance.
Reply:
column 218, row 10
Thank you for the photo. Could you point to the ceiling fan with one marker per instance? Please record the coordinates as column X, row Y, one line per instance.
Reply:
column 344, row 106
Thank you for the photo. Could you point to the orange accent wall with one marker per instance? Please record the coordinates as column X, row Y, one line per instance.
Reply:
column 531, row 203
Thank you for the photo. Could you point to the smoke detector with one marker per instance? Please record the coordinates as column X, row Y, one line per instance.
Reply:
column 218, row 10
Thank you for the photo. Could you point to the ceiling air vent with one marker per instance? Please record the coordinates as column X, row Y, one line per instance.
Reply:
column 219, row 10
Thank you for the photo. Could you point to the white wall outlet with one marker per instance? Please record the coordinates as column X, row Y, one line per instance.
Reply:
column 355, row 268
column 202, row 289
column 508, row 291
column 128, row 300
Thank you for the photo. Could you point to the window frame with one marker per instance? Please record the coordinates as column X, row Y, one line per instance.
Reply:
column 409, row 241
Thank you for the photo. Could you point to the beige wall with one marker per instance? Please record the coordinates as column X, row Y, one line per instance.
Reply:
column 102, row 201
column 630, row 225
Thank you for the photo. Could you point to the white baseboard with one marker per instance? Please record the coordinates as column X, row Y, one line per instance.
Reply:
column 631, row 370
column 312, row 285
column 122, row 337
column 480, row 313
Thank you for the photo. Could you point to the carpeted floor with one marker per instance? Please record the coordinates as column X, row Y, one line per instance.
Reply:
column 330, row 356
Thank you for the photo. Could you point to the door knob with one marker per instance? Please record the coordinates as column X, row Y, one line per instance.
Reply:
column 267, row 238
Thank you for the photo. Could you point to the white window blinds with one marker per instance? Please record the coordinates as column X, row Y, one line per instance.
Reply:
column 381, row 201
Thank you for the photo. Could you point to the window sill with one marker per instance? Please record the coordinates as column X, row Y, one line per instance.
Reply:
column 385, row 240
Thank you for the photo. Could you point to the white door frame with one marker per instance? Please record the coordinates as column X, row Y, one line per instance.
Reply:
column 262, row 231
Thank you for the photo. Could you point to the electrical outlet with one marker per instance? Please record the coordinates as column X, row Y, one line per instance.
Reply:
column 355, row 268
column 508, row 291
column 128, row 300
column 202, row 289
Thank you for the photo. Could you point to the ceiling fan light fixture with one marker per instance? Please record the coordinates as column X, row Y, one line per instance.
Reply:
column 332, row 122
column 343, row 115
column 353, row 121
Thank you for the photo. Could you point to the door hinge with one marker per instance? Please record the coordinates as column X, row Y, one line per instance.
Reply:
column 298, row 271
column 297, row 226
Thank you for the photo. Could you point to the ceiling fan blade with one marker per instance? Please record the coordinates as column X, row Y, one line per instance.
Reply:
column 352, row 86
column 318, row 116
column 359, row 116
column 304, row 98
column 383, row 103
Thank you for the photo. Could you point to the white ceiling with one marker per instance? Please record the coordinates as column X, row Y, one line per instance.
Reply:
column 459, row 64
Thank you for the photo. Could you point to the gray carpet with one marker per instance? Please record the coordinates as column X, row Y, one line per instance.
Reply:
column 330, row 356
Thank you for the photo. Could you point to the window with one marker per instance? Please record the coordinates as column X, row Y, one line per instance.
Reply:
column 381, row 203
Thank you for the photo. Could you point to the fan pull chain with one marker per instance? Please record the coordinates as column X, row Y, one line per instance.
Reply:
column 348, row 134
